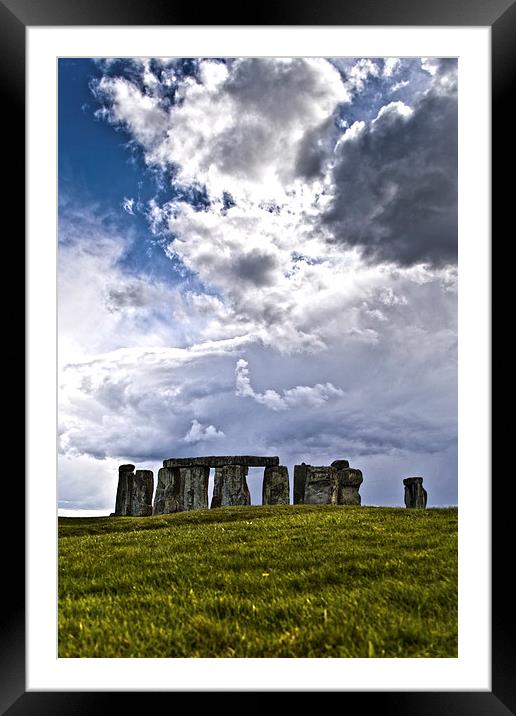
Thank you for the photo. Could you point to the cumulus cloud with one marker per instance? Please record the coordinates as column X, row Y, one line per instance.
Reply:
column 201, row 433
column 300, row 396
column 243, row 130
column 390, row 65
column 361, row 71
column 124, row 103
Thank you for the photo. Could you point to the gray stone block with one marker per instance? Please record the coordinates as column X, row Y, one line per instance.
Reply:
column 216, row 499
column 168, row 498
column 134, row 492
column 124, row 492
column 194, row 487
column 275, row 489
column 321, row 485
column 142, row 495
column 222, row 461
column 299, row 483
column 350, row 480
column 233, row 486
column 415, row 494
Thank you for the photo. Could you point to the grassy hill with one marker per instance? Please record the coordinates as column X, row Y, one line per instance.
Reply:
column 283, row 581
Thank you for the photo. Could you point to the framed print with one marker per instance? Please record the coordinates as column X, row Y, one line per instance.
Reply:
column 264, row 253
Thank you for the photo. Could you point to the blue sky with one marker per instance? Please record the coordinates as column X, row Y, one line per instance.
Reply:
column 258, row 256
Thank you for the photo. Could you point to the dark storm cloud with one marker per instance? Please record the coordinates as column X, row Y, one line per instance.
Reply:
column 255, row 267
column 315, row 149
column 396, row 182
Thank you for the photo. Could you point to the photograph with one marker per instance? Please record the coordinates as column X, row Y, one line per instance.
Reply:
column 257, row 331
column 259, row 309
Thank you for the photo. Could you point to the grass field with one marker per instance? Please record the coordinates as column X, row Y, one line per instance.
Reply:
column 284, row 581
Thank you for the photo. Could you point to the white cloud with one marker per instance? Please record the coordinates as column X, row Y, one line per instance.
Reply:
column 360, row 72
column 298, row 397
column 126, row 104
column 399, row 85
column 128, row 205
column 390, row 66
column 430, row 65
column 201, row 433
column 244, row 131
column 389, row 113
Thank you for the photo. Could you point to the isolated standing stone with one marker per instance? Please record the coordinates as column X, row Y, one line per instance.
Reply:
column 415, row 493
column 350, row 480
column 275, row 489
column 299, row 483
column 143, row 487
column 321, row 486
column 216, row 498
column 168, row 498
column 194, row 487
column 124, row 492
column 234, row 489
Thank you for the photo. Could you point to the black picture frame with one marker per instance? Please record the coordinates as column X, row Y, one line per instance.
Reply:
column 500, row 16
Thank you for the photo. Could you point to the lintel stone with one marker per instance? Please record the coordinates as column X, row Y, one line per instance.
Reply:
column 222, row 461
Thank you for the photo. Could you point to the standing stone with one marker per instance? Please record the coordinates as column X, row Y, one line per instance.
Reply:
column 134, row 492
column 168, row 497
column 340, row 464
column 143, row 487
column 299, row 483
column 321, row 486
column 415, row 493
column 194, row 487
column 216, row 499
column 349, row 484
column 124, row 492
column 275, row 489
column 234, row 489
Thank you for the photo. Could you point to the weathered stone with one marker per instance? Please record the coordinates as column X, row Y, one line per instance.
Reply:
column 233, row 486
column 340, row 464
column 142, row 496
column 351, row 477
column 299, row 483
column 134, row 493
column 222, row 461
column 216, row 499
column 194, row 487
column 275, row 488
column 415, row 493
column 350, row 480
column 168, row 498
column 321, row 486
column 124, row 492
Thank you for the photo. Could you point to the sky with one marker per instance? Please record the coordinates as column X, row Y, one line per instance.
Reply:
column 257, row 256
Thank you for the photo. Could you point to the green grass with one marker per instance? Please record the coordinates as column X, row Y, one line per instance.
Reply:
column 284, row 581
